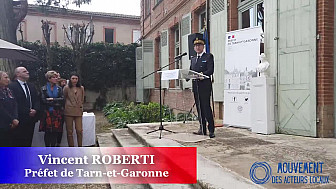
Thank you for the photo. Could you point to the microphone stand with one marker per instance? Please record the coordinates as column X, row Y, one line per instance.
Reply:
column 161, row 128
column 190, row 112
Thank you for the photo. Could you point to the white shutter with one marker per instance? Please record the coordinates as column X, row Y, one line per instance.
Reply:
column 185, row 31
column 164, row 55
column 218, row 29
column 148, row 63
column 139, row 75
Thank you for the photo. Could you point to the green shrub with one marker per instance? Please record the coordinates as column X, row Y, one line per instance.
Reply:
column 122, row 113
column 185, row 117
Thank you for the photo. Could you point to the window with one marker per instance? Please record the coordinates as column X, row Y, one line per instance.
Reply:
column 147, row 8
column 260, row 15
column 136, row 36
column 109, row 35
column 251, row 13
column 202, row 21
column 246, row 18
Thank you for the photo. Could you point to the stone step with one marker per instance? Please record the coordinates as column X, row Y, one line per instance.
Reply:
column 125, row 138
column 128, row 139
column 107, row 140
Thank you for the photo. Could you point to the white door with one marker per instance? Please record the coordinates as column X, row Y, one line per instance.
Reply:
column 297, row 67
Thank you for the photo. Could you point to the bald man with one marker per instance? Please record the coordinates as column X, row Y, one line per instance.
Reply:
column 28, row 104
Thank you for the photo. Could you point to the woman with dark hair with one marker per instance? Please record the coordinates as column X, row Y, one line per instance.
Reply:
column 52, row 105
column 74, row 99
column 8, row 111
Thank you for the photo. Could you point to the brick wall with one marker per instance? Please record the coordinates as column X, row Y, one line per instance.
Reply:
column 325, row 68
column 232, row 15
column 180, row 100
column 163, row 14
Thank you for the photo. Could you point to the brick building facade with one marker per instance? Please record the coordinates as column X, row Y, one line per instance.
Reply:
column 299, row 44
column 167, row 15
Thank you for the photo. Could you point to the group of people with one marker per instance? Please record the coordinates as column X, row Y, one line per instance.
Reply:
column 21, row 106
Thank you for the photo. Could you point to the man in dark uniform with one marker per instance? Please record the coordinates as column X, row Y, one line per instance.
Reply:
column 28, row 104
column 203, row 63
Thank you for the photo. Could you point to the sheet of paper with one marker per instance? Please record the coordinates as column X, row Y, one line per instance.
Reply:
column 169, row 74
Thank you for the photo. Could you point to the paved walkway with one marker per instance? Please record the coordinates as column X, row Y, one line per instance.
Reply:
column 237, row 149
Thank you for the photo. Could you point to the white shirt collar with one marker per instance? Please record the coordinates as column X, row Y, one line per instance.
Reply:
column 200, row 55
column 21, row 82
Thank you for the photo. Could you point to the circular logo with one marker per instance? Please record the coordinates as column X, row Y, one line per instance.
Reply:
column 268, row 172
column 240, row 108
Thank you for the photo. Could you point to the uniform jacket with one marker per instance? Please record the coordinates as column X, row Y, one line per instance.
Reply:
column 23, row 105
column 74, row 99
column 205, row 64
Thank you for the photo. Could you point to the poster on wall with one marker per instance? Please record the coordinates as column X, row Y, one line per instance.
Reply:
column 242, row 50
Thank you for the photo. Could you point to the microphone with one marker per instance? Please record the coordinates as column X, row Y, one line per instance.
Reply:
column 180, row 56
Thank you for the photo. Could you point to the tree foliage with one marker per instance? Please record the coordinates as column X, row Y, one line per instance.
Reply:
column 105, row 65
column 61, row 3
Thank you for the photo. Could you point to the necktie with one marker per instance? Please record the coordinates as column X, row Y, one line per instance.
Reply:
column 198, row 57
column 28, row 95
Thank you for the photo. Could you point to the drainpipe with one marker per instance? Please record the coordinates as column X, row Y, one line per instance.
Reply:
column 276, row 107
column 207, row 13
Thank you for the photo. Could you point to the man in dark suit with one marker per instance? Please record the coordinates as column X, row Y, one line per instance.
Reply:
column 28, row 104
column 203, row 63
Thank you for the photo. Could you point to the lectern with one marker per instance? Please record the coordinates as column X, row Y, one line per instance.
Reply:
column 181, row 74
column 173, row 75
